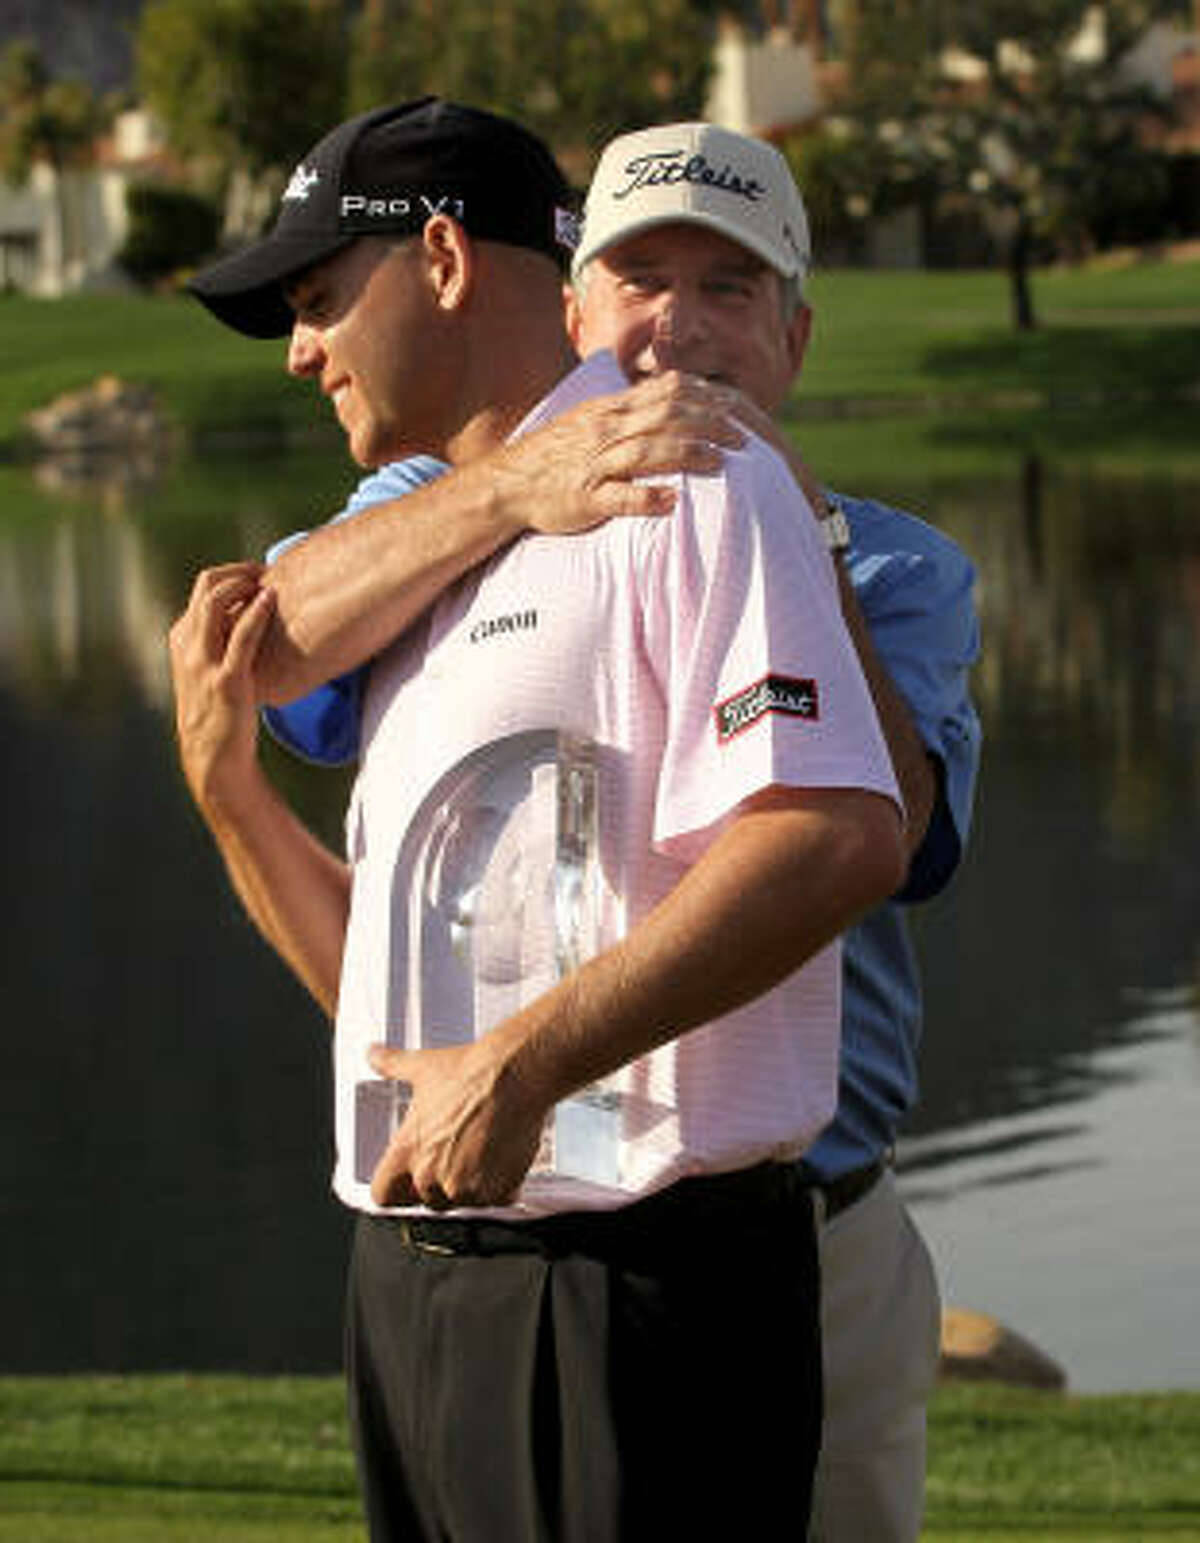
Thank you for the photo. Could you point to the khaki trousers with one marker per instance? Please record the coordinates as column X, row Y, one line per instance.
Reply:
column 880, row 1326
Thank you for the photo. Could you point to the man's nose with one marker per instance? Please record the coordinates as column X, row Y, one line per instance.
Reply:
column 304, row 350
column 677, row 325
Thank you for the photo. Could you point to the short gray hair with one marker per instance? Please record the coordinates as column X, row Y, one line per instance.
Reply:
column 791, row 295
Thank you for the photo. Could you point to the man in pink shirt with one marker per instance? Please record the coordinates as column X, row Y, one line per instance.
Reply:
column 540, row 1347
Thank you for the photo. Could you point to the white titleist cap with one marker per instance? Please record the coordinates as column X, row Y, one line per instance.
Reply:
column 704, row 175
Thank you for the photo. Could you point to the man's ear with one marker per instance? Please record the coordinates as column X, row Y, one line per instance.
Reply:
column 797, row 335
column 573, row 315
column 449, row 261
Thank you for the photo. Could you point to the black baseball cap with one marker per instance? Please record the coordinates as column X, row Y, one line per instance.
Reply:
column 388, row 172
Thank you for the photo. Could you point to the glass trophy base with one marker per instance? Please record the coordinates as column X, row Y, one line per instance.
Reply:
column 379, row 1108
column 582, row 1139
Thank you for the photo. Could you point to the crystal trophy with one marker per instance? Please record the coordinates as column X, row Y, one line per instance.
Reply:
column 496, row 894
column 582, row 1135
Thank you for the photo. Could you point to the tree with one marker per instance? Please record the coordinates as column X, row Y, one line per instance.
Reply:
column 1017, row 105
column 43, row 120
column 635, row 62
column 169, row 229
column 575, row 71
column 243, row 87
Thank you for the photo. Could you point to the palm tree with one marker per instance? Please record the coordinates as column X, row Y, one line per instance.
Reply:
column 53, row 123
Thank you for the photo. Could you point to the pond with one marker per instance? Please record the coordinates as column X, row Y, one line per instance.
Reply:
column 164, row 1086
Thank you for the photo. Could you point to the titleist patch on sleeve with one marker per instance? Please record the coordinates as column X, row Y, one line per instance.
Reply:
column 772, row 694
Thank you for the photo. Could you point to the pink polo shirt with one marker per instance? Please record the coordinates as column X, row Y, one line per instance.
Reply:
column 703, row 658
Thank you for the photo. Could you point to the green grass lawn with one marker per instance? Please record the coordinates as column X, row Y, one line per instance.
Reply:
column 1006, row 1463
column 175, row 1458
column 208, row 378
column 923, row 370
column 945, row 338
column 899, row 341
column 231, row 1460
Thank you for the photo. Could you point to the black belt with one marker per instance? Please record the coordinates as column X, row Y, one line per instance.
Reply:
column 847, row 1189
column 689, row 1208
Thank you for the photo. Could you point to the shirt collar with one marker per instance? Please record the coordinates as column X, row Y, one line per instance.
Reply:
column 597, row 375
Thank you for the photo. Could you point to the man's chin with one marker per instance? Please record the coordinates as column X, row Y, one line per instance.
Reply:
column 365, row 450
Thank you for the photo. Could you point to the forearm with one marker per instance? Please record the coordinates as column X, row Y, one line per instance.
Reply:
column 294, row 889
column 910, row 758
column 785, row 879
column 350, row 588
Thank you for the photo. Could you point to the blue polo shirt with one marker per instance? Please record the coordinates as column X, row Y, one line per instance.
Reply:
column 323, row 727
column 915, row 588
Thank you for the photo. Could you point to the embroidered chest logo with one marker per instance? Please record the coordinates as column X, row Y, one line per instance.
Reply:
column 772, row 694
column 499, row 626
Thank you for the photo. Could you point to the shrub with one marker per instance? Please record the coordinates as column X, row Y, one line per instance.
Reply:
column 169, row 228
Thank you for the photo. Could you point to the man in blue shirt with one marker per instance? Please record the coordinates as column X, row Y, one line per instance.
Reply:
column 660, row 276
column 658, row 281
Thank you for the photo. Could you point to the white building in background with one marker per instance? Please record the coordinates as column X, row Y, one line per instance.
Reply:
column 1167, row 60
column 782, row 82
column 21, row 218
column 786, row 81
column 61, row 232
column 760, row 85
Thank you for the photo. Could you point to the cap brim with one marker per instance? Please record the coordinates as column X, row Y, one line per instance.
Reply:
column 737, row 234
column 245, row 291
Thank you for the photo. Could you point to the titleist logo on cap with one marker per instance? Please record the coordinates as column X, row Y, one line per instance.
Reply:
column 670, row 166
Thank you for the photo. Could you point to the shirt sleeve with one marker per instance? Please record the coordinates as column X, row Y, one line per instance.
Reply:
column 916, row 590
column 761, row 684
column 325, row 726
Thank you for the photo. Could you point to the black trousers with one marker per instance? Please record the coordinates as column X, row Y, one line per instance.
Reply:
column 648, row 1372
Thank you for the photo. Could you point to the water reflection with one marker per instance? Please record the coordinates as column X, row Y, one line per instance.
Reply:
column 165, row 1119
column 1082, row 882
column 1084, row 1233
column 82, row 603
